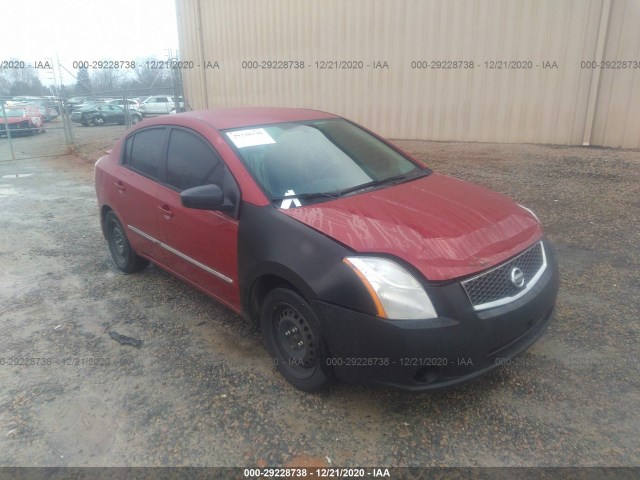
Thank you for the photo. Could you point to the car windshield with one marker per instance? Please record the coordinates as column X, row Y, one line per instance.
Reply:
column 319, row 159
column 14, row 113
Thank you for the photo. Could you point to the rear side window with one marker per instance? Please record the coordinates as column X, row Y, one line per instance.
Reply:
column 143, row 151
column 192, row 162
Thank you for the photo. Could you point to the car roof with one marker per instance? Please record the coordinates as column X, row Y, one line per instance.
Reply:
column 225, row 118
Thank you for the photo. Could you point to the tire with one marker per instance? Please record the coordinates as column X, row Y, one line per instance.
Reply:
column 125, row 258
column 293, row 336
column 98, row 120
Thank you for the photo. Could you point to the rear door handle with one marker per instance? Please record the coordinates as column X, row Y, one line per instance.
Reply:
column 166, row 211
column 119, row 185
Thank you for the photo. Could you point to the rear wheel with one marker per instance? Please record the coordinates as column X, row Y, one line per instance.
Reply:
column 125, row 258
column 293, row 336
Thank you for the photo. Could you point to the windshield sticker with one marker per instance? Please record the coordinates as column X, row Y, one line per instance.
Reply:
column 286, row 203
column 250, row 138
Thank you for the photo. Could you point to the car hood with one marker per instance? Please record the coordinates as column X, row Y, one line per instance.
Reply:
column 446, row 228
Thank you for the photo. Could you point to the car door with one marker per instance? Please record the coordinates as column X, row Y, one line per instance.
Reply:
column 148, row 105
column 163, row 105
column 117, row 114
column 155, row 105
column 107, row 113
column 104, row 111
column 200, row 245
column 137, row 186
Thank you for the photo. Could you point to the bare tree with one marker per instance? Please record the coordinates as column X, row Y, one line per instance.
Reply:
column 107, row 80
column 146, row 76
column 20, row 81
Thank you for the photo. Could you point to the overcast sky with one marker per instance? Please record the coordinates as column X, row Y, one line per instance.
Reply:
column 87, row 30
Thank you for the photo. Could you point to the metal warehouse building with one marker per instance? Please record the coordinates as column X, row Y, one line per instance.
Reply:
column 538, row 71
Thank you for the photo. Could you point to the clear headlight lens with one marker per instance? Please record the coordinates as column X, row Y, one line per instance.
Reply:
column 395, row 292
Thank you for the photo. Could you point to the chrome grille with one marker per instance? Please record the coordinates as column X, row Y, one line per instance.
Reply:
column 494, row 287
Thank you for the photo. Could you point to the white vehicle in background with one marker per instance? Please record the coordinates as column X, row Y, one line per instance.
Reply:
column 131, row 104
column 159, row 104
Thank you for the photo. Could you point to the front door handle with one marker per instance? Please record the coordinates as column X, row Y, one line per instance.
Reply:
column 119, row 185
column 166, row 211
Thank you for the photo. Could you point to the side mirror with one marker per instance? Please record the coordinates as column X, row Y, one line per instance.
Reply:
column 205, row 197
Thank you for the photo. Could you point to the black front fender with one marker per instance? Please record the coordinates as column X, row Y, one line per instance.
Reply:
column 272, row 243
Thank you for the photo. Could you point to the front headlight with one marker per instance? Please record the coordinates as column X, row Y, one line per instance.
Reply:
column 396, row 294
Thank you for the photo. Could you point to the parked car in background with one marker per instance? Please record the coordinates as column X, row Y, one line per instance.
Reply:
column 131, row 104
column 75, row 102
column 102, row 113
column 354, row 259
column 48, row 113
column 22, row 120
column 44, row 106
column 26, row 99
column 159, row 104
column 52, row 102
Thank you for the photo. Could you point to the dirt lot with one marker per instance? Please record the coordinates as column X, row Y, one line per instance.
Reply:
column 201, row 390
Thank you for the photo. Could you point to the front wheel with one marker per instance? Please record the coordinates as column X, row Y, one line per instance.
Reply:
column 125, row 258
column 293, row 336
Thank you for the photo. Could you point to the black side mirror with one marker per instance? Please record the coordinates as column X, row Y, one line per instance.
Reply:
column 205, row 197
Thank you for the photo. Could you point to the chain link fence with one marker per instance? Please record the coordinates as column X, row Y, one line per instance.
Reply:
column 32, row 127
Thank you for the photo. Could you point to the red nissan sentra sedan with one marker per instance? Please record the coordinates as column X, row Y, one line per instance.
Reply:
column 355, row 260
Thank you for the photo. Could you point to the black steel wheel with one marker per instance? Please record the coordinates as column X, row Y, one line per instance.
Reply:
column 125, row 258
column 292, row 334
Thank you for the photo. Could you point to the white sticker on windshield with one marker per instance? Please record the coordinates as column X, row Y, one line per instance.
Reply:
column 286, row 203
column 250, row 138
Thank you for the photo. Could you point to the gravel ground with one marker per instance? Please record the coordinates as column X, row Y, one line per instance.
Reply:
column 201, row 390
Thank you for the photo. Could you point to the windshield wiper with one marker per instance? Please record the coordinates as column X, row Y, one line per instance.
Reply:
column 403, row 177
column 392, row 179
column 331, row 195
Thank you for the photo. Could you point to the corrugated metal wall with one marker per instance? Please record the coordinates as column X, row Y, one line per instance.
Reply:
column 555, row 101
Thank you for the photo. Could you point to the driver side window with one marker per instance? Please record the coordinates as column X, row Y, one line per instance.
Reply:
column 192, row 162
